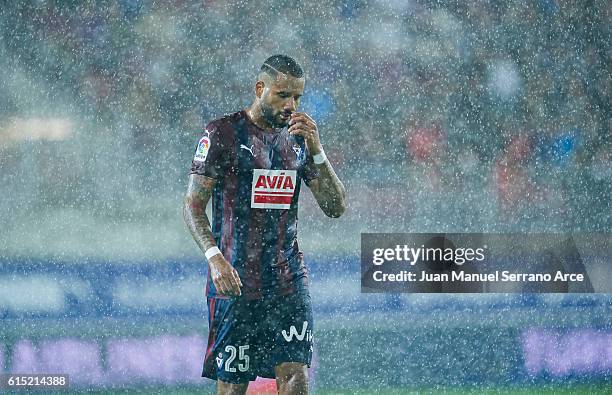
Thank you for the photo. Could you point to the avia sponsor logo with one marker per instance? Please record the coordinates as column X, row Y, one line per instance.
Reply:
column 305, row 333
column 273, row 188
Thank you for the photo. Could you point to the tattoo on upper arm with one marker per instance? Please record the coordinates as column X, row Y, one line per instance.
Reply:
column 199, row 192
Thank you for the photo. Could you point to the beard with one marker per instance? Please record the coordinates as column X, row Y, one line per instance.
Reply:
column 273, row 118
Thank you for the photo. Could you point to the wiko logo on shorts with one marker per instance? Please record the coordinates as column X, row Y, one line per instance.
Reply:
column 306, row 333
column 273, row 188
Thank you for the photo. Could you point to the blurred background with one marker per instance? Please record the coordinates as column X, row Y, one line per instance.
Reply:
column 439, row 116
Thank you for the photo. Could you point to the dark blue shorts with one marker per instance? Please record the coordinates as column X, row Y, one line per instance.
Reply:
column 249, row 338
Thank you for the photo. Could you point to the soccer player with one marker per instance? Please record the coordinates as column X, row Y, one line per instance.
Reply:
column 252, row 163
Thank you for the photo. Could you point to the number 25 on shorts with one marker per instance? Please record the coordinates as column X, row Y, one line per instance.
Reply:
column 243, row 359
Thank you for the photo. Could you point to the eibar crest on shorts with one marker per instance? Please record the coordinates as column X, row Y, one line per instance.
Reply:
column 273, row 188
column 202, row 150
column 219, row 360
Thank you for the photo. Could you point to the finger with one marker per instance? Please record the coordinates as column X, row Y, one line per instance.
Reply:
column 227, row 284
column 235, row 288
column 302, row 125
column 303, row 117
column 237, row 276
column 299, row 132
column 300, row 115
column 220, row 285
column 232, row 282
column 297, row 125
column 308, row 118
column 299, row 118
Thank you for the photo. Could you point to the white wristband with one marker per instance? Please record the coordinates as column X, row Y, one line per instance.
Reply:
column 212, row 251
column 319, row 158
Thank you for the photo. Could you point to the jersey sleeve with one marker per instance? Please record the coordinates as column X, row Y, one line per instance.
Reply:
column 211, row 157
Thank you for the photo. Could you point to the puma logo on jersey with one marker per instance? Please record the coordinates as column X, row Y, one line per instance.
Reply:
column 305, row 333
column 273, row 188
column 248, row 149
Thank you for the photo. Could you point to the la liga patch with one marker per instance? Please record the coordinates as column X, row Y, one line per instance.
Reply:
column 202, row 150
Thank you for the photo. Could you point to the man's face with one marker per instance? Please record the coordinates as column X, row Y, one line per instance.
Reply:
column 280, row 97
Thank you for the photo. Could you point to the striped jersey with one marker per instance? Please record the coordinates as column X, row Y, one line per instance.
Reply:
column 258, row 176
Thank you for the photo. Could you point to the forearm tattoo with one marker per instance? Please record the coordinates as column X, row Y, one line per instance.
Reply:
column 198, row 194
column 329, row 192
